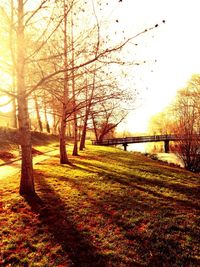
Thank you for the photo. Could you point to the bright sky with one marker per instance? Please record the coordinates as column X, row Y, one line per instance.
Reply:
column 4, row 79
column 175, row 46
column 6, row 108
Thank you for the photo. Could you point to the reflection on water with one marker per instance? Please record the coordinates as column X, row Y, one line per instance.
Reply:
column 167, row 157
column 137, row 147
column 170, row 158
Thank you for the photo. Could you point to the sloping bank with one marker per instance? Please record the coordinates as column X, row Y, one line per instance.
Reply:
column 107, row 208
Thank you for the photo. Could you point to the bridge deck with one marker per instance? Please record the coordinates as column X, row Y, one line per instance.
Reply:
column 139, row 139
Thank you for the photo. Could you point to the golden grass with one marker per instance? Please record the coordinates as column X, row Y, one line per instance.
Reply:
column 108, row 208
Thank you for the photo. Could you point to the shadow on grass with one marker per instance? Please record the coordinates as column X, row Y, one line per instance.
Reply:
column 158, row 247
column 154, row 247
column 6, row 157
column 142, row 184
column 55, row 214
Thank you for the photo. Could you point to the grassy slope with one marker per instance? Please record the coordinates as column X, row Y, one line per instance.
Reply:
column 108, row 208
column 9, row 139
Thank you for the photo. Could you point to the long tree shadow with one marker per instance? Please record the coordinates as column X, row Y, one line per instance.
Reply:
column 142, row 183
column 54, row 214
column 102, row 206
column 115, row 202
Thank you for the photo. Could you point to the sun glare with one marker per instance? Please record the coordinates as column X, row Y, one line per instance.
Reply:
column 4, row 105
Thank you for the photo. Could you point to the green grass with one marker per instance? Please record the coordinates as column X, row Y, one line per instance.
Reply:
column 108, row 208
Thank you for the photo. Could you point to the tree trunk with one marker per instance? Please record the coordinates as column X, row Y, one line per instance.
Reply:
column 14, row 113
column 38, row 113
column 95, row 128
column 75, row 149
column 83, row 135
column 63, row 152
column 69, row 132
column 27, row 180
column 45, row 117
column 87, row 112
column 55, row 124
column 87, row 107
column 14, row 106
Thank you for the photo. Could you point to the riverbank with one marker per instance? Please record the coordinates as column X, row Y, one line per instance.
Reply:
column 169, row 158
column 107, row 208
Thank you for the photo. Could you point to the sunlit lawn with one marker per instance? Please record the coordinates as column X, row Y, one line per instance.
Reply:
column 108, row 208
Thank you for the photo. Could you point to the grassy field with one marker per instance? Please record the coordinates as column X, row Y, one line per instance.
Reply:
column 108, row 208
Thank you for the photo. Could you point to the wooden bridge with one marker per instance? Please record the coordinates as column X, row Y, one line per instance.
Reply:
column 166, row 138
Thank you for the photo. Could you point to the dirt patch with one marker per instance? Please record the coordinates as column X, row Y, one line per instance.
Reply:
column 6, row 155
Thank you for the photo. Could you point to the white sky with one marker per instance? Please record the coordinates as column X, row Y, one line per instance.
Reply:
column 175, row 45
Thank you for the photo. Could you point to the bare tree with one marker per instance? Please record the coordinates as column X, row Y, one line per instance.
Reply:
column 37, row 109
column 63, row 152
column 187, row 124
column 75, row 149
column 31, row 54
column 27, row 180
column 108, row 117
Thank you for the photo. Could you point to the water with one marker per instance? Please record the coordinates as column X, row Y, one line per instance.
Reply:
column 166, row 157
column 170, row 158
column 137, row 147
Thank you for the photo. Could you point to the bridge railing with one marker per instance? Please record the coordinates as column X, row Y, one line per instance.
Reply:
column 139, row 139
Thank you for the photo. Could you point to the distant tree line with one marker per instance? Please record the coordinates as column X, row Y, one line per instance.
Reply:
column 182, row 117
